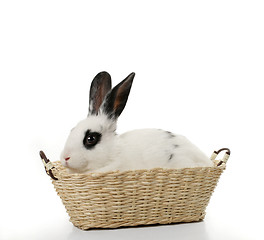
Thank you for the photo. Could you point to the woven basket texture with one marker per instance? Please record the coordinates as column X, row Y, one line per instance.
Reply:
column 140, row 197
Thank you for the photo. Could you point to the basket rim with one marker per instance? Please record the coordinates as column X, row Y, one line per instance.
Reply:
column 51, row 167
column 116, row 173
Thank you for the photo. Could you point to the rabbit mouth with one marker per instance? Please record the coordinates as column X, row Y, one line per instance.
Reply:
column 65, row 164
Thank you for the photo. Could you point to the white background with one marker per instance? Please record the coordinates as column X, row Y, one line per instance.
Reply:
column 199, row 72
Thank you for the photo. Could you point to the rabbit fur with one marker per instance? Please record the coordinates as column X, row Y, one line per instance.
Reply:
column 94, row 146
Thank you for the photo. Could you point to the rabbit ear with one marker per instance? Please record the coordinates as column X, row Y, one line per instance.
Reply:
column 115, row 101
column 100, row 86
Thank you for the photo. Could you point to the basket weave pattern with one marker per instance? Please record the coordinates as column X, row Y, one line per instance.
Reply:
column 140, row 197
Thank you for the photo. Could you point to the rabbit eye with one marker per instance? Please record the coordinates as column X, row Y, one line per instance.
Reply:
column 91, row 139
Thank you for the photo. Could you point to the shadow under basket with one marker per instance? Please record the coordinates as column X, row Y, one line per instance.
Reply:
column 138, row 197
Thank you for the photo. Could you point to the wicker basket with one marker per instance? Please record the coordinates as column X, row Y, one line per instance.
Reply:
column 131, row 198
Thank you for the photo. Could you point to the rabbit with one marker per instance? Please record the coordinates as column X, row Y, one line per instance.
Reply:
column 94, row 146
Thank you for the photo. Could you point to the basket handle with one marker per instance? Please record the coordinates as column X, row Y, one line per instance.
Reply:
column 48, row 165
column 225, row 158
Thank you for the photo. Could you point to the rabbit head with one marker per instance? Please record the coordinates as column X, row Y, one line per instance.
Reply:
column 90, row 143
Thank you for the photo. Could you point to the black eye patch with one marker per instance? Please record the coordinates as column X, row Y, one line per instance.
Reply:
column 91, row 139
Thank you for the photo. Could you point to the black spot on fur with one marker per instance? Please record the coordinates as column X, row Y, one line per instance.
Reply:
column 170, row 134
column 170, row 157
column 175, row 145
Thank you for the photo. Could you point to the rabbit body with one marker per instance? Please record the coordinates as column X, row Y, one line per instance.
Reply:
column 94, row 146
column 154, row 148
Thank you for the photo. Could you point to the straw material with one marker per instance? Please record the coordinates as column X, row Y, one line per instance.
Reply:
column 141, row 197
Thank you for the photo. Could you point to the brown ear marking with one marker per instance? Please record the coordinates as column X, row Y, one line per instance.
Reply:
column 101, row 92
column 100, row 86
column 116, row 100
column 121, row 93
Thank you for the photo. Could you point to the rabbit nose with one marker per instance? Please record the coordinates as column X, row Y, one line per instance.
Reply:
column 67, row 158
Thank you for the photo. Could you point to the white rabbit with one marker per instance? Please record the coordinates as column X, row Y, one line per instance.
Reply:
column 94, row 146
